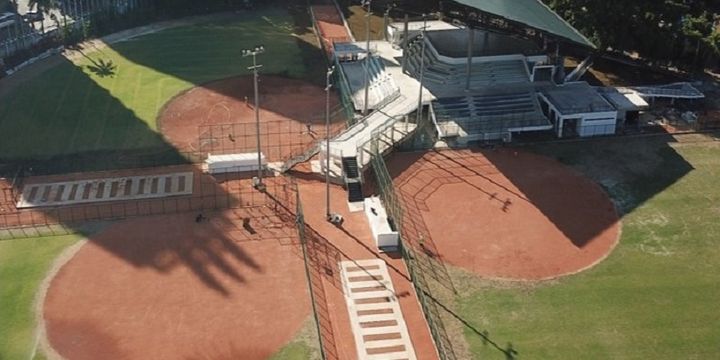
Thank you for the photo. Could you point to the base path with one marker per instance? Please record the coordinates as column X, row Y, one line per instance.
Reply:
column 168, row 287
column 504, row 213
column 219, row 117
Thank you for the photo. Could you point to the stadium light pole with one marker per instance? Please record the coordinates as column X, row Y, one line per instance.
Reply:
column 254, row 52
column 368, row 3
column 329, row 216
column 422, row 71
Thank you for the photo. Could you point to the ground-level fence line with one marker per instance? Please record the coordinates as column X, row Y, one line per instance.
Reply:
column 210, row 193
column 394, row 208
column 328, row 350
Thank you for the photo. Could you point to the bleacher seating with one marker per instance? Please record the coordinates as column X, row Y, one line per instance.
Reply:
column 488, row 113
column 382, row 85
column 482, row 74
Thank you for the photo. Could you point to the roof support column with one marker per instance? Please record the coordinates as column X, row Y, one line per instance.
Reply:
column 561, row 124
column 405, row 43
column 560, row 65
column 471, row 40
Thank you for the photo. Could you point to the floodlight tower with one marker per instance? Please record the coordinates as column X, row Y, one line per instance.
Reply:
column 422, row 71
column 367, row 3
column 254, row 52
column 329, row 216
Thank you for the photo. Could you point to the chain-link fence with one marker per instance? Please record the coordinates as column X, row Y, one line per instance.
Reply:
column 209, row 193
column 279, row 140
column 309, row 242
column 413, row 258
column 101, row 160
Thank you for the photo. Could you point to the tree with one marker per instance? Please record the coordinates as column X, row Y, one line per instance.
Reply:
column 669, row 31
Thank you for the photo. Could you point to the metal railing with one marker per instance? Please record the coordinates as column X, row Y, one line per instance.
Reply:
column 363, row 122
column 345, row 92
column 368, row 147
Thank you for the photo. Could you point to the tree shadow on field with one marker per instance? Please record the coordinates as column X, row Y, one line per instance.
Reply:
column 212, row 50
column 324, row 255
column 88, row 153
column 209, row 57
column 77, row 337
column 99, row 67
column 103, row 68
column 89, row 127
column 629, row 170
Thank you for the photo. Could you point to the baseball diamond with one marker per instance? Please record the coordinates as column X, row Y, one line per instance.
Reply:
column 246, row 180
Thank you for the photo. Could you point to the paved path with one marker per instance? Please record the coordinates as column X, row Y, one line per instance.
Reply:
column 375, row 316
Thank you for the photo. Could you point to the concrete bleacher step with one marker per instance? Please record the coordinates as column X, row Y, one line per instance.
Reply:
column 381, row 87
column 388, row 337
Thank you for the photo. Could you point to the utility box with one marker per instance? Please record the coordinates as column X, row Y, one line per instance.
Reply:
column 218, row 164
column 385, row 237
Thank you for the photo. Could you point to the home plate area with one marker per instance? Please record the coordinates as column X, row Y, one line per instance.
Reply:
column 377, row 321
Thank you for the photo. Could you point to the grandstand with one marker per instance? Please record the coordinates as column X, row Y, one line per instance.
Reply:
column 474, row 85
column 484, row 71
column 354, row 68
column 487, row 115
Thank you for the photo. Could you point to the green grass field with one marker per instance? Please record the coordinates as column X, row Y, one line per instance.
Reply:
column 74, row 108
column 77, row 108
column 23, row 265
column 656, row 297
column 658, row 294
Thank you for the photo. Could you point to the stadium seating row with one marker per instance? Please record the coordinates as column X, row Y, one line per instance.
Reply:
column 382, row 85
column 482, row 74
column 491, row 113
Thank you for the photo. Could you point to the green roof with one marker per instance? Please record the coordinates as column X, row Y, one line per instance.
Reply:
column 532, row 13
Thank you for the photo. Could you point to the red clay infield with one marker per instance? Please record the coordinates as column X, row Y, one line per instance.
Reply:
column 219, row 117
column 504, row 213
column 166, row 287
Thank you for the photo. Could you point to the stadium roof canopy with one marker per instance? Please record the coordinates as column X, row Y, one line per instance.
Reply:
column 532, row 13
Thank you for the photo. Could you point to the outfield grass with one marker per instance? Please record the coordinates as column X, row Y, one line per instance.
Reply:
column 74, row 108
column 23, row 265
column 658, row 294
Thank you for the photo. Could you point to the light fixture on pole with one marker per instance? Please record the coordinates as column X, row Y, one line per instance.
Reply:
column 257, row 182
column 367, row 3
column 335, row 219
column 422, row 72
